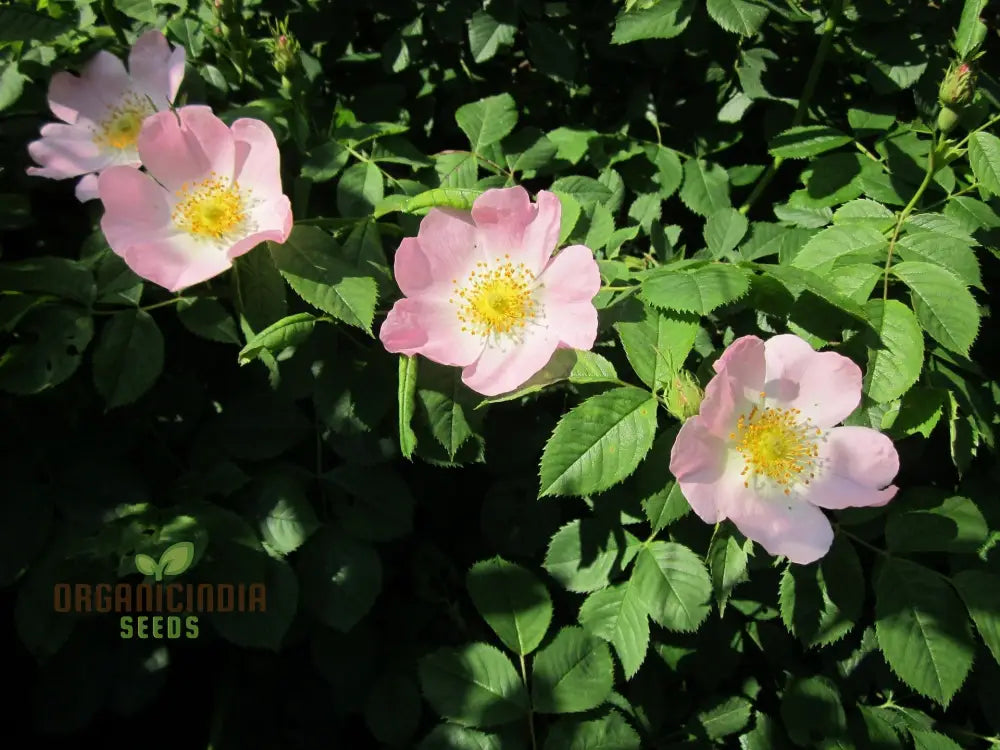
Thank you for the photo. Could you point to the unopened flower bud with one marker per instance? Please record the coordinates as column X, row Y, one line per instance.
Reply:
column 284, row 47
column 958, row 87
column 947, row 119
column 684, row 395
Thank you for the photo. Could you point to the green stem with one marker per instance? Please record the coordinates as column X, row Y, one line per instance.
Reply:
column 145, row 308
column 988, row 124
column 928, row 176
column 531, row 712
column 807, row 93
column 108, row 11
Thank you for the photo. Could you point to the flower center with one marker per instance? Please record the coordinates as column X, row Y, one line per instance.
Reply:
column 496, row 299
column 212, row 208
column 778, row 444
column 120, row 129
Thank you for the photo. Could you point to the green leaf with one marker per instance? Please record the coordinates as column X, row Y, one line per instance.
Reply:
column 325, row 161
column 971, row 31
column 598, row 443
column 727, row 717
column 673, row 584
column 449, row 736
column 807, row 140
column 487, row 35
column 821, row 603
column 610, row 732
column 448, row 405
column 406, row 402
column 927, row 740
column 443, row 197
column 487, row 121
column 764, row 736
column 724, row 230
column 984, row 158
column 310, row 261
column 61, row 277
column 587, row 191
column 841, row 242
column 207, row 318
column 21, row 24
column 573, row 673
column 147, row 11
column 931, row 521
column 664, row 20
column 284, row 516
column 797, row 281
column 393, row 708
column 512, row 601
column 582, row 554
column 864, row 211
column 287, row 332
column 727, row 564
column 474, row 685
column 981, row 593
column 46, row 349
column 922, row 629
column 340, row 577
column 706, row 187
column 893, row 366
column 359, row 190
column 951, row 253
column 128, row 357
column 944, row 307
column 145, row 564
column 176, row 558
column 869, row 120
column 657, row 345
column 698, row 290
column 618, row 616
column 260, row 291
column 812, row 712
column 743, row 17
column 774, row 239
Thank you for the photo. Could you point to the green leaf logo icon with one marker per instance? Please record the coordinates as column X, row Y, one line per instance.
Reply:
column 175, row 560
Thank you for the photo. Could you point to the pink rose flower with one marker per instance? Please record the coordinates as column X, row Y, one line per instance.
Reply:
column 765, row 453
column 212, row 193
column 485, row 293
column 103, row 109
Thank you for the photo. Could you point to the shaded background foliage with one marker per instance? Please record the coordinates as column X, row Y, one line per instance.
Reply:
column 134, row 418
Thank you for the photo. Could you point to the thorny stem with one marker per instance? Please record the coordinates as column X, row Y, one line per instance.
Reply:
column 928, row 176
column 808, row 90
column 531, row 713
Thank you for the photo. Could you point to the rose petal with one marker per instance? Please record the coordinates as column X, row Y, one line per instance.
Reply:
column 505, row 365
column 272, row 222
column 575, row 323
column 824, row 386
column 432, row 329
column 698, row 462
column 571, row 276
column 182, row 152
column 855, row 464
column 258, row 161
column 781, row 524
column 541, row 236
column 156, row 68
column 86, row 188
column 135, row 207
column 65, row 151
column 444, row 250
column 501, row 215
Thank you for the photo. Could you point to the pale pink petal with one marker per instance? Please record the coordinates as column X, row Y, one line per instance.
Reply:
column 507, row 364
column 176, row 261
column 575, row 323
column 272, row 222
column 447, row 243
column 502, row 215
column 781, row 524
column 156, row 68
column 187, row 151
column 855, row 463
column 86, row 188
column 105, row 74
column 258, row 162
column 541, row 236
column 722, row 405
column 744, row 362
column 65, row 151
column 135, row 207
column 571, row 276
column 825, row 386
column 431, row 329
column 412, row 270
column 698, row 462
column 72, row 99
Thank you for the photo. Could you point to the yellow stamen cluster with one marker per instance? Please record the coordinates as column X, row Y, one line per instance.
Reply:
column 778, row 444
column 495, row 299
column 120, row 127
column 212, row 208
